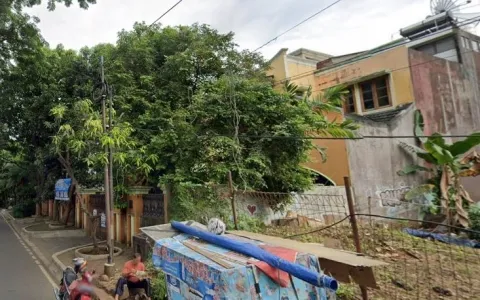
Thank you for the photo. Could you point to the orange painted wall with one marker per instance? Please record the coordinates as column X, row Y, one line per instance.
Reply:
column 394, row 61
column 336, row 165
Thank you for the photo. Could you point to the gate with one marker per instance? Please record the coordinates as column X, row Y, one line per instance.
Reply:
column 97, row 203
column 153, row 210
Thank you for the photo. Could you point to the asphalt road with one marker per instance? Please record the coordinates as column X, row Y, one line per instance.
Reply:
column 20, row 275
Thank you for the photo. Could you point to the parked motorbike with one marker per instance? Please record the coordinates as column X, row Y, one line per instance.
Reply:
column 74, row 288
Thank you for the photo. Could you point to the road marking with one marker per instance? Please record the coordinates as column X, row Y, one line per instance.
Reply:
column 45, row 273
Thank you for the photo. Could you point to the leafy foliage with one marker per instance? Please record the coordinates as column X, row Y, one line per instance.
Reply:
column 197, row 202
column 158, row 281
column 188, row 108
column 474, row 215
column 448, row 163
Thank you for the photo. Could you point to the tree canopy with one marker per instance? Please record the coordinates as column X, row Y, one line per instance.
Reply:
column 189, row 106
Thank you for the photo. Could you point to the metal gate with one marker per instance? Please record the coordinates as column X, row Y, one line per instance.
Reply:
column 97, row 204
column 153, row 210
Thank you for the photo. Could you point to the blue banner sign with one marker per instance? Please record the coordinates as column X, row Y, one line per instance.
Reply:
column 61, row 189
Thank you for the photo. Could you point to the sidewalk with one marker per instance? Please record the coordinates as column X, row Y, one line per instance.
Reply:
column 46, row 248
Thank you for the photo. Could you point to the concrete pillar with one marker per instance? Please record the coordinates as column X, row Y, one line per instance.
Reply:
column 55, row 210
column 50, row 208
column 118, row 225
column 38, row 211
column 77, row 213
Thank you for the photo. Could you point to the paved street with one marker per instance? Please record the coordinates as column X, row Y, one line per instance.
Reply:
column 21, row 278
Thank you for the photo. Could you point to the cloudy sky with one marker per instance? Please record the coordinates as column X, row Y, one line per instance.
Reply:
column 351, row 25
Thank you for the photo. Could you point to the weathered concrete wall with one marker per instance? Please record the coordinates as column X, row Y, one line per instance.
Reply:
column 448, row 95
column 318, row 204
column 374, row 162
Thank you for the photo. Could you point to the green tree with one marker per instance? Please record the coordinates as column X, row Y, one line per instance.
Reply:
column 244, row 126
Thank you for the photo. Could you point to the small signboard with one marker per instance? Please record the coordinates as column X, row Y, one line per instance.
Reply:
column 103, row 220
column 61, row 189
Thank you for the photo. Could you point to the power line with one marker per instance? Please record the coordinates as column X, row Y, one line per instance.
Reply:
column 170, row 9
column 360, row 137
column 416, row 65
column 302, row 22
column 464, row 23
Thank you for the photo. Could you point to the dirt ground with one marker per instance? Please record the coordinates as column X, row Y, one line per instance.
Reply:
column 417, row 268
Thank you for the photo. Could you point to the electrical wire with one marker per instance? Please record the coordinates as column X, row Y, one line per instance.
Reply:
column 312, row 72
column 165, row 13
column 299, row 24
column 361, row 137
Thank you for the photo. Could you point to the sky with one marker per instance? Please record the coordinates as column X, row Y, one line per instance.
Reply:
column 349, row 26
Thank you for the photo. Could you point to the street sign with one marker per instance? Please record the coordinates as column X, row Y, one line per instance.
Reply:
column 61, row 189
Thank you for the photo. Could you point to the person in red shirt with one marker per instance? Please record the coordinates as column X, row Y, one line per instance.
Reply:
column 129, row 277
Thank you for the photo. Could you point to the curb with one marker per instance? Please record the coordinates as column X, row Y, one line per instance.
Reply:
column 55, row 267
column 53, row 271
column 98, row 256
column 62, row 267
column 59, row 263
column 65, row 233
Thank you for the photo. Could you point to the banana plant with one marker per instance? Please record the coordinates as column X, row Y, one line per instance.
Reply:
column 447, row 163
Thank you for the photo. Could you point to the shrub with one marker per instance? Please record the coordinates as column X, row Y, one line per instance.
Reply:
column 24, row 209
column 158, row 284
column 247, row 223
column 474, row 216
column 197, row 202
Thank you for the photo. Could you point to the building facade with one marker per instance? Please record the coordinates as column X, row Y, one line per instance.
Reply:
column 298, row 67
column 434, row 67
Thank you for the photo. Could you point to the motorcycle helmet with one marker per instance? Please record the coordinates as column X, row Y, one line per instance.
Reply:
column 80, row 264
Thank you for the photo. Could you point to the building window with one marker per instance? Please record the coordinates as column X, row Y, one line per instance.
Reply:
column 350, row 101
column 475, row 46
column 466, row 43
column 375, row 93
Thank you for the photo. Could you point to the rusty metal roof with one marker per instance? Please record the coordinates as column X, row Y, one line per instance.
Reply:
column 383, row 116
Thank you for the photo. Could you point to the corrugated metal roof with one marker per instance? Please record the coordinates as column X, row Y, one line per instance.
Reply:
column 383, row 116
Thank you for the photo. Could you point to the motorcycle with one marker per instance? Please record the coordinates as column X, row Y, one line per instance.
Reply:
column 74, row 288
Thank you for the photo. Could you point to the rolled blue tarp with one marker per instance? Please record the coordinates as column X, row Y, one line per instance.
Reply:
column 445, row 238
column 298, row 271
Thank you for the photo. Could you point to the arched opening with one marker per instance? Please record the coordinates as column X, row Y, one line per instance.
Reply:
column 321, row 179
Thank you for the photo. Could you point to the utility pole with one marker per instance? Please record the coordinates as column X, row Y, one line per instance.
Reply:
column 109, row 266
column 110, row 168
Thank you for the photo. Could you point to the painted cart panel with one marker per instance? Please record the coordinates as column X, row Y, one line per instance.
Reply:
column 190, row 275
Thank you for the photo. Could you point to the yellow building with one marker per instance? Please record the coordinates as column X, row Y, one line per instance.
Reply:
column 378, row 80
column 299, row 68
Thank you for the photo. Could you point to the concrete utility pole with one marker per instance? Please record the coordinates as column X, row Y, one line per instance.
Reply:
column 110, row 170
column 109, row 266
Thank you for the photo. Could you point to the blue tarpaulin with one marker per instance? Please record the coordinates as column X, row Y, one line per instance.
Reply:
column 61, row 189
column 445, row 238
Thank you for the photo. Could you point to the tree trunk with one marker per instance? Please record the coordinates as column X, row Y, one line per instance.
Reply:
column 71, row 202
column 94, row 223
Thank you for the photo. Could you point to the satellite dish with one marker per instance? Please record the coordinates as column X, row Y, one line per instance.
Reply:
column 459, row 10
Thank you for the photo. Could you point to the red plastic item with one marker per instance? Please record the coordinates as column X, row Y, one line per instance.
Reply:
column 280, row 277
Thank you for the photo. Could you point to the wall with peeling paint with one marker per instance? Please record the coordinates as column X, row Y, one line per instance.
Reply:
column 393, row 62
column 448, row 94
column 374, row 163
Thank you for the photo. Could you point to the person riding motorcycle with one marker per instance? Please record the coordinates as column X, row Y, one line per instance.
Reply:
column 76, row 283
column 71, row 275
column 82, row 288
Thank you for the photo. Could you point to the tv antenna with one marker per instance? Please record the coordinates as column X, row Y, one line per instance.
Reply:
column 459, row 10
